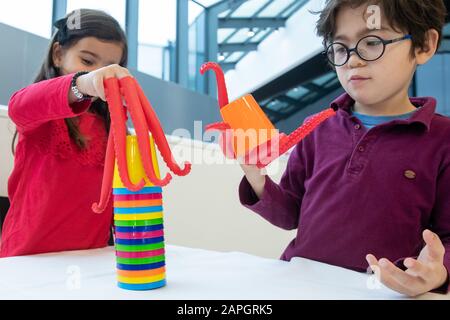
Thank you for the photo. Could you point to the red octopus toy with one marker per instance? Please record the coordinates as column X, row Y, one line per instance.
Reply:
column 145, row 121
column 244, row 114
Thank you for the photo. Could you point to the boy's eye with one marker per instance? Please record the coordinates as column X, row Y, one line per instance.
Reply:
column 374, row 43
column 338, row 49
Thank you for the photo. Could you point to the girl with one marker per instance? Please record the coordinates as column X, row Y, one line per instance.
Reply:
column 62, row 135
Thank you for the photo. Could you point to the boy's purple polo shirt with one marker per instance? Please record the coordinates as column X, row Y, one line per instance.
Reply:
column 351, row 191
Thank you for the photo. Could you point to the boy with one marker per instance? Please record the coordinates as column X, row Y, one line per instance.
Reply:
column 373, row 181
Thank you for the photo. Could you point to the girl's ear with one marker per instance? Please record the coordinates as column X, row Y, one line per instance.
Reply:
column 57, row 54
column 423, row 55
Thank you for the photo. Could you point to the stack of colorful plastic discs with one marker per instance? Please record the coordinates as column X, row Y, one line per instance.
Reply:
column 139, row 229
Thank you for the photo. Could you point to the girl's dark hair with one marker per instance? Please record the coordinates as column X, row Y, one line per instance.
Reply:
column 75, row 26
column 413, row 16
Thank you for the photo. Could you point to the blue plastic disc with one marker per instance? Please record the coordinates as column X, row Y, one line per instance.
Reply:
column 142, row 287
column 139, row 241
column 140, row 229
column 138, row 267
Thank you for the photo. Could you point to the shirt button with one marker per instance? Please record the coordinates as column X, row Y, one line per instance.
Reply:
column 361, row 149
column 358, row 126
column 410, row 174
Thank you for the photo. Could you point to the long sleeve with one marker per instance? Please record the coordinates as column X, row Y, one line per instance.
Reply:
column 280, row 203
column 44, row 101
column 440, row 223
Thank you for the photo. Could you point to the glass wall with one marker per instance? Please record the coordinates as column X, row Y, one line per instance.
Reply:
column 196, row 46
column 116, row 8
column 195, row 9
column 29, row 15
column 157, row 38
column 433, row 79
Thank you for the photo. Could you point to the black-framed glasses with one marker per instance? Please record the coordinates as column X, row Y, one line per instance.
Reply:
column 369, row 48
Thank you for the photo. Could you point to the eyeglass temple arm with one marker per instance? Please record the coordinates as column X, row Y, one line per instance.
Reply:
column 408, row 36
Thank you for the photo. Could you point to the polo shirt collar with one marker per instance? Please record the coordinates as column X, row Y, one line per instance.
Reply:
column 424, row 115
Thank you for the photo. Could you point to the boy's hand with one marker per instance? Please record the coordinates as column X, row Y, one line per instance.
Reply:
column 255, row 177
column 423, row 275
column 92, row 83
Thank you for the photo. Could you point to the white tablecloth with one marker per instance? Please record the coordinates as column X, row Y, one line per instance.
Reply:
column 191, row 274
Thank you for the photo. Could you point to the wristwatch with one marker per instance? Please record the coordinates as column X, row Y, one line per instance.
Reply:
column 80, row 96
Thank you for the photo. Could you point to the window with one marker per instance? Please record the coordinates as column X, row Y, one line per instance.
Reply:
column 196, row 46
column 194, row 11
column 157, row 36
column 28, row 15
column 433, row 79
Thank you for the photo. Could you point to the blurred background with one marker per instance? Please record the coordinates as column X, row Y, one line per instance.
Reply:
column 267, row 48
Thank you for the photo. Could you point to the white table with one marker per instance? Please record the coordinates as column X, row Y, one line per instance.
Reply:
column 191, row 274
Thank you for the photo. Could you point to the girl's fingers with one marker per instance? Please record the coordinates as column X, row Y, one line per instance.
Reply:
column 114, row 71
column 122, row 73
column 97, row 82
column 435, row 248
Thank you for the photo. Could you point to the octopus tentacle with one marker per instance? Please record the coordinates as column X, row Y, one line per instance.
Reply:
column 300, row 133
column 108, row 175
column 159, row 136
column 142, row 132
column 222, row 91
column 118, row 127
column 225, row 138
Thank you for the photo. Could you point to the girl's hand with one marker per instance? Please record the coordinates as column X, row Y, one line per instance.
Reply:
column 423, row 275
column 92, row 83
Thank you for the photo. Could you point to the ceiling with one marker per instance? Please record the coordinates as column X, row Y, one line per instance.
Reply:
column 244, row 27
column 309, row 82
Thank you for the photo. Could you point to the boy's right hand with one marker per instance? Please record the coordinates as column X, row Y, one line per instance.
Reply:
column 92, row 83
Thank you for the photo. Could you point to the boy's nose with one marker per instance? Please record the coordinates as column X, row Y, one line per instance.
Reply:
column 355, row 61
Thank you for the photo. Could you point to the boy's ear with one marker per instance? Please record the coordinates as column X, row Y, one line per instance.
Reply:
column 423, row 55
column 57, row 54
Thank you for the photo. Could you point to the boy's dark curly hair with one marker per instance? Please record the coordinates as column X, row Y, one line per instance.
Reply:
column 414, row 17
